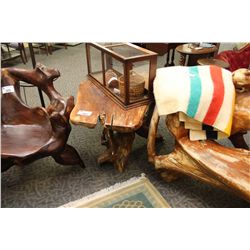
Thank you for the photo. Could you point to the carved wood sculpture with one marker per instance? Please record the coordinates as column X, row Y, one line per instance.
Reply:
column 32, row 133
column 118, row 145
column 119, row 125
column 208, row 161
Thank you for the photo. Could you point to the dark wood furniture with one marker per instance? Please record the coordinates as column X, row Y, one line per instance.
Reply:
column 208, row 161
column 194, row 54
column 119, row 125
column 171, row 50
column 212, row 61
column 48, row 47
column 31, row 133
column 162, row 49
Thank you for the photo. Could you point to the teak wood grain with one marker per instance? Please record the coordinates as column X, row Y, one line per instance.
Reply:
column 92, row 99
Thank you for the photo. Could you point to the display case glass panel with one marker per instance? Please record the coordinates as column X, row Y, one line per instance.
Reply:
column 124, row 71
column 96, row 70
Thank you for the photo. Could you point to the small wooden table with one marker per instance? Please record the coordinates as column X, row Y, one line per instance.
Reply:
column 212, row 61
column 194, row 54
column 120, row 125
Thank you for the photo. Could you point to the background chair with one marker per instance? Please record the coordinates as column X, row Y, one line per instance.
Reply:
column 48, row 47
column 32, row 133
column 11, row 51
column 236, row 58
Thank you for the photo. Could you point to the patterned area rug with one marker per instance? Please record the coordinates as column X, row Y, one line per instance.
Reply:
column 138, row 192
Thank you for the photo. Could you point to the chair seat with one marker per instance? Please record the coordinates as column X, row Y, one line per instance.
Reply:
column 29, row 134
column 236, row 59
column 24, row 139
column 230, row 166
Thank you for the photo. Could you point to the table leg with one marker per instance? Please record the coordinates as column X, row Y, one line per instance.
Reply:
column 167, row 56
column 182, row 60
column 172, row 57
column 118, row 145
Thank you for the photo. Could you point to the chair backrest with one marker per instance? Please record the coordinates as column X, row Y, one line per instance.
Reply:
column 236, row 59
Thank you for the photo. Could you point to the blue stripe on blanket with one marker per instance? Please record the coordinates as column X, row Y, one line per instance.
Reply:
column 195, row 91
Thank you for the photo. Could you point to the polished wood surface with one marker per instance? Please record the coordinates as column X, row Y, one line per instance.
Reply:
column 194, row 54
column 212, row 61
column 92, row 99
column 208, row 161
column 241, row 118
column 31, row 133
column 119, row 125
column 186, row 49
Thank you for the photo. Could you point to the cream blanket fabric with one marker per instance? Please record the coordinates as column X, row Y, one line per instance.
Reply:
column 204, row 96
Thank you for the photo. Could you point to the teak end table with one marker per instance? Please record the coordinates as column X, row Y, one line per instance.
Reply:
column 120, row 125
column 194, row 54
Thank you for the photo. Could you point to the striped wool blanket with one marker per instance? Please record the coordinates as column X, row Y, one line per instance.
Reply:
column 204, row 96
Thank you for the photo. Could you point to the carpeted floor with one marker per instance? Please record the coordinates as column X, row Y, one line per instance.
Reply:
column 45, row 183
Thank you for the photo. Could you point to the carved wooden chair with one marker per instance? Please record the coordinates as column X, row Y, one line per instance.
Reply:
column 208, row 161
column 32, row 133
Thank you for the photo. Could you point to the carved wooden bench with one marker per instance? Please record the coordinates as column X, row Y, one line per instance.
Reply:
column 208, row 161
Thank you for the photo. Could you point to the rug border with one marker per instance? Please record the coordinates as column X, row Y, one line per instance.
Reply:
column 88, row 201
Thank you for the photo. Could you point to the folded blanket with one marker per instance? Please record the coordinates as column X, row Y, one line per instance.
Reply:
column 204, row 94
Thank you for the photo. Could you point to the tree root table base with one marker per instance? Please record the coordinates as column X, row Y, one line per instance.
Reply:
column 119, row 125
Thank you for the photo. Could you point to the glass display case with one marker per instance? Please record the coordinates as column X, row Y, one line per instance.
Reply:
column 123, row 71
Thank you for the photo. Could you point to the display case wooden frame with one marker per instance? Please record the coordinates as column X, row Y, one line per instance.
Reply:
column 138, row 55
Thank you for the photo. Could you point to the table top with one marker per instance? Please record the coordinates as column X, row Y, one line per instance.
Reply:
column 212, row 61
column 92, row 102
column 185, row 49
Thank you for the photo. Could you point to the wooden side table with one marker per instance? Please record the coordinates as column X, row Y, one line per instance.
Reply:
column 194, row 54
column 212, row 61
column 120, row 125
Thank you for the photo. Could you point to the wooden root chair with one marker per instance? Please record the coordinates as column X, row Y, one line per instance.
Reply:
column 208, row 161
column 32, row 133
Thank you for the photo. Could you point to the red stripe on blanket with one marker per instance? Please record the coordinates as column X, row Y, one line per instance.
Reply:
column 218, row 95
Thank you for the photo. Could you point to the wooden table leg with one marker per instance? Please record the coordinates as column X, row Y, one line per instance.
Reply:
column 119, row 146
column 182, row 59
column 172, row 57
column 167, row 59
